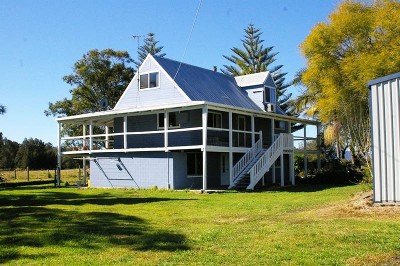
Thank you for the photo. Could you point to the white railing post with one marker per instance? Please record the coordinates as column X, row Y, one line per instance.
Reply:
column 91, row 135
column 204, row 124
column 125, row 130
column 107, row 138
column 84, row 136
column 230, row 150
column 166, row 126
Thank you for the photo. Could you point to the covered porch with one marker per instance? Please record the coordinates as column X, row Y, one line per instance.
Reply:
column 196, row 126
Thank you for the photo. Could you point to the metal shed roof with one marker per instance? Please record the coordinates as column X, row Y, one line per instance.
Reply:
column 201, row 84
column 383, row 79
column 252, row 79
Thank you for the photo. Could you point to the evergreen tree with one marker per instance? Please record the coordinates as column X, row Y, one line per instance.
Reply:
column 149, row 47
column 255, row 58
column 3, row 109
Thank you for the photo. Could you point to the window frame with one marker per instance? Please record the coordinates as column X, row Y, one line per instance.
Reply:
column 148, row 80
column 271, row 94
column 198, row 159
column 163, row 115
column 279, row 123
column 213, row 114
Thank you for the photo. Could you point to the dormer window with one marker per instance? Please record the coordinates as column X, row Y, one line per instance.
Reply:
column 149, row 80
column 270, row 95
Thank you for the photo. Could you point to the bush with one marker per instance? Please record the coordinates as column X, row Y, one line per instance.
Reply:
column 337, row 172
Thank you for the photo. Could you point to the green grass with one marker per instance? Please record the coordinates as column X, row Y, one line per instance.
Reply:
column 306, row 225
column 21, row 176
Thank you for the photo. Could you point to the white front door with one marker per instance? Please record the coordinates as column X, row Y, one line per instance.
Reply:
column 224, row 169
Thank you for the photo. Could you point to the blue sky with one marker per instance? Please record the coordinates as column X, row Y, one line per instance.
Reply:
column 41, row 40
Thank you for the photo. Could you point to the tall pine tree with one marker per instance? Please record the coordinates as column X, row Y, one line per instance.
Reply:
column 255, row 58
column 3, row 109
column 149, row 47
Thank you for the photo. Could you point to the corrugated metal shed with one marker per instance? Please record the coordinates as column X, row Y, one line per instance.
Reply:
column 385, row 124
column 201, row 84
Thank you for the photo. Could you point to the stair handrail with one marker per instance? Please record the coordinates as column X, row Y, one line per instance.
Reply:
column 246, row 159
column 265, row 161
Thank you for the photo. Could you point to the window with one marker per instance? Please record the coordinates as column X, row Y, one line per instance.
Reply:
column 280, row 124
column 173, row 120
column 160, row 121
column 241, row 123
column 194, row 164
column 149, row 80
column 214, row 120
column 270, row 95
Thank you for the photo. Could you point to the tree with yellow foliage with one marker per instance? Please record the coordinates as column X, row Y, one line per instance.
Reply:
column 359, row 42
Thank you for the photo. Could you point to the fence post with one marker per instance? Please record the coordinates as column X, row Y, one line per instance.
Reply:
column 27, row 169
column 15, row 173
column 58, row 176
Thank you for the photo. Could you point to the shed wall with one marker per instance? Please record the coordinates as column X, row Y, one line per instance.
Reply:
column 143, row 170
column 385, row 131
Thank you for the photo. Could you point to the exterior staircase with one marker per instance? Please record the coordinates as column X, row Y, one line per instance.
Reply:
column 249, row 170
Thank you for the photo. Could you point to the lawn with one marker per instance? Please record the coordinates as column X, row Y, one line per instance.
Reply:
column 305, row 225
column 15, row 177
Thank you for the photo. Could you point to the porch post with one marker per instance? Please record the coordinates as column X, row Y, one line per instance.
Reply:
column 107, row 138
column 124, row 131
column 204, row 124
column 318, row 148
column 282, row 171
column 291, row 158
column 291, row 168
column 230, row 150
column 166, row 126
column 305, row 150
column 84, row 170
column 91, row 135
column 59, row 153
column 272, row 141
column 253, row 140
column 84, row 136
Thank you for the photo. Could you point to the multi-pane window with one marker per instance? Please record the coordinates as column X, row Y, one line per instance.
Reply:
column 214, row 120
column 270, row 95
column 194, row 164
column 172, row 119
column 149, row 80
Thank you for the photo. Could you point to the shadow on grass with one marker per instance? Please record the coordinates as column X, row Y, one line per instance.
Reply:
column 45, row 198
column 306, row 188
column 296, row 188
column 29, row 222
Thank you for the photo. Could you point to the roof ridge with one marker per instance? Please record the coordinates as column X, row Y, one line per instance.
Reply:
column 183, row 63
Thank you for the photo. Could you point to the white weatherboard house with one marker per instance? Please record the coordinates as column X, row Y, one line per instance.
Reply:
column 180, row 126
column 384, row 97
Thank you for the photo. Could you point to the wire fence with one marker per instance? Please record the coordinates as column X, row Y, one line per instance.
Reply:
column 68, row 176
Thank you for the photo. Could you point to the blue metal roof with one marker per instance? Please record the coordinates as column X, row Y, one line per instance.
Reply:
column 201, row 84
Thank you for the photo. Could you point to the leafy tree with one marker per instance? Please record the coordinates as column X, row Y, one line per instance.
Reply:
column 8, row 151
column 360, row 41
column 3, row 109
column 97, row 75
column 255, row 58
column 36, row 154
column 149, row 47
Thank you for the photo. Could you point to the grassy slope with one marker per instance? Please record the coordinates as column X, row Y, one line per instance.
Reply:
column 305, row 226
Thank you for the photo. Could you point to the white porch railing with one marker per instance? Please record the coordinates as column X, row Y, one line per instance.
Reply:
column 247, row 158
column 257, row 171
